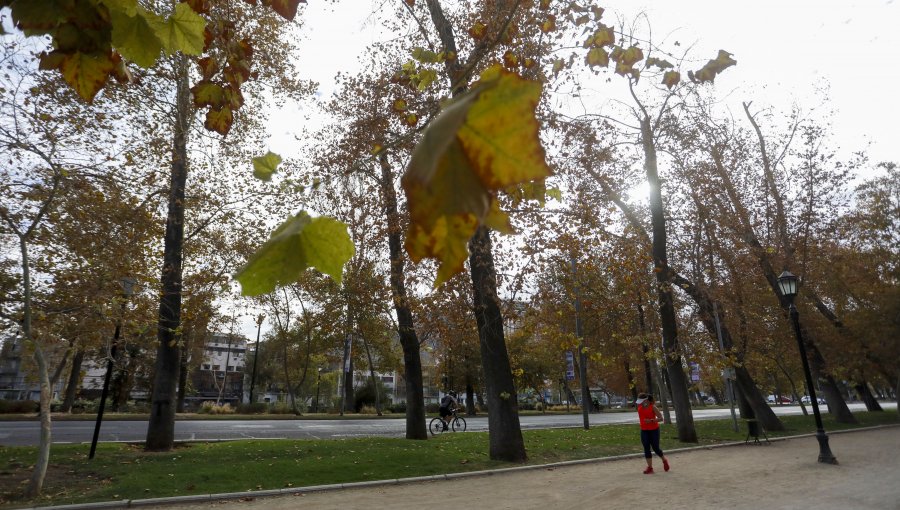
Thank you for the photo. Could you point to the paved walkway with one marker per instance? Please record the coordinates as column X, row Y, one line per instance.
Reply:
column 781, row 475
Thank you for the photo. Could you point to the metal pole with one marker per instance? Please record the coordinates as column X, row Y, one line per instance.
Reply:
column 103, row 394
column 318, row 385
column 825, row 455
column 259, row 321
column 582, row 357
column 728, row 391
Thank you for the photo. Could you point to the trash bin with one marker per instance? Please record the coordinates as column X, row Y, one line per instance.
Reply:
column 753, row 429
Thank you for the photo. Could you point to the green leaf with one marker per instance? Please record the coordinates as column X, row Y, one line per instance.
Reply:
column 183, row 31
column 299, row 243
column 425, row 56
column 265, row 166
column 207, row 93
column 134, row 36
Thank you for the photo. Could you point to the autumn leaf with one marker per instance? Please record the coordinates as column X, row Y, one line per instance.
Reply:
column 425, row 56
column 208, row 94
column 86, row 73
column 287, row 8
column 299, row 243
column 549, row 24
column 671, row 78
column 485, row 141
column 265, row 166
column 478, row 30
column 219, row 120
column 597, row 57
column 712, row 68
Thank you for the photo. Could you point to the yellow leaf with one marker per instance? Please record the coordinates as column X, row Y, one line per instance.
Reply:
column 484, row 141
column 671, row 78
column 86, row 73
column 500, row 134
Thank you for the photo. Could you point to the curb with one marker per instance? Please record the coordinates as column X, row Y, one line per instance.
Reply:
column 249, row 495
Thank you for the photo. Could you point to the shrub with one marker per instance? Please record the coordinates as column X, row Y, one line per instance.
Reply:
column 210, row 407
column 367, row 410
column 281, row 408
column 397, row 408
column 18, row 406
column 253, row 408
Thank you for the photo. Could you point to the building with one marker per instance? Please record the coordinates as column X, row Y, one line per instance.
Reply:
column 15, row 383
column 219, row 377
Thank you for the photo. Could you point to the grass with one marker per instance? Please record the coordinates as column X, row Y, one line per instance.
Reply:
column 123, row 471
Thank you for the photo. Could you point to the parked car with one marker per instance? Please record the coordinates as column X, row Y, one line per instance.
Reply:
column 709, row 400
column 781, row 399
column 806, row 399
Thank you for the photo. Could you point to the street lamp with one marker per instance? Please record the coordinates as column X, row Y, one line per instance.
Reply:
column 787, row 283
column 318, row 384
column 127, row 284
column 259, row 321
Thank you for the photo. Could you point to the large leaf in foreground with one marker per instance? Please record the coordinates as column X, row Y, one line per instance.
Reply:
column 484, row 142
column 298, row 244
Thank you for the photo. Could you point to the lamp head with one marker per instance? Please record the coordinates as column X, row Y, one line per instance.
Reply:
column 787, row 284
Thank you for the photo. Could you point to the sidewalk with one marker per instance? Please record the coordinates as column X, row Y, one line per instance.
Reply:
column 784, row 474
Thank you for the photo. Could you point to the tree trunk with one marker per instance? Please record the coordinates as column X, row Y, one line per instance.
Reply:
column 183, row 375
column 409, row 341
column 372, row 376
column 505, row 435
column 74, row 381
column 862, row 389
column 680, row 398
column 161, row 427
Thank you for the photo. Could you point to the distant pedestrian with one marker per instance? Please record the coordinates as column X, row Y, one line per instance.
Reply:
column 649, row 416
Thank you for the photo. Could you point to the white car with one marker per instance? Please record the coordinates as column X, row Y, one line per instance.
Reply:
column 806, row 400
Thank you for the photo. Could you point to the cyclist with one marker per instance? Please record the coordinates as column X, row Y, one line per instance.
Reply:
column 448, row 405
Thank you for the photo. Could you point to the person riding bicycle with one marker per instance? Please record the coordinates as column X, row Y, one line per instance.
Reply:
column 448, row 405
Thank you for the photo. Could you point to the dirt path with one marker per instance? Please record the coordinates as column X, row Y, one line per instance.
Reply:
column 781, row 475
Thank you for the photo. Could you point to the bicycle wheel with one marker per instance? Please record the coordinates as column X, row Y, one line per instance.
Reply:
column 436, row 426
column 459, row 424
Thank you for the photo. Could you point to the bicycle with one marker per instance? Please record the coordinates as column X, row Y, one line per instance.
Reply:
column 457, row 424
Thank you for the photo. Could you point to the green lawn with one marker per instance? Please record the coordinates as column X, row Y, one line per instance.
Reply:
column 122, row 471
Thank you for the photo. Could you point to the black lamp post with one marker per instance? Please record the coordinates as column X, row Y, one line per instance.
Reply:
column 787, row 283
column 127, row 284
column 259, row 321
column 318, row 385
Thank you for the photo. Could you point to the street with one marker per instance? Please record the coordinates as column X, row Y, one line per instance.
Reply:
column 24, row 433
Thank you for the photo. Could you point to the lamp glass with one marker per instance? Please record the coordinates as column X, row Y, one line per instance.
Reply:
column 787, row 283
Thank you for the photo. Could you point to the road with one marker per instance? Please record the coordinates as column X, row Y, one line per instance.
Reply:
column 25, row 433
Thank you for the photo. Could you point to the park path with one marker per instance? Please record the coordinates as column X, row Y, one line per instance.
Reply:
column 781, row 475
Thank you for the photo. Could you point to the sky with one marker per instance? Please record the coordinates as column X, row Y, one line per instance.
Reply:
column 788, row 51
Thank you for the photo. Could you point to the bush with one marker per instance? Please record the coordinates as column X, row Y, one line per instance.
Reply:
column 365, row 395
column 281, row 408
column 397, row 408
column 367, row 410
column 210, row 407
column 253, row 408
column 18, row 406
column 432, row 408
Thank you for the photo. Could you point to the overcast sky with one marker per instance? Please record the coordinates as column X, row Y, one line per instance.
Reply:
column 786, row 51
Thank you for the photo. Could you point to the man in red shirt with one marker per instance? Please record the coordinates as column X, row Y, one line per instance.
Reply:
column 649, row 416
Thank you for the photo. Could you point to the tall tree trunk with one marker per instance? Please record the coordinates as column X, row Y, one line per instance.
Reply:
column 862, row 389
column 74, row 381
column 161, row 427
column 372, row 376
column 678, row 380
column 505, row 434
column 645, row 349
column 506, row 441
column 409, row 341
column 183, row 374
